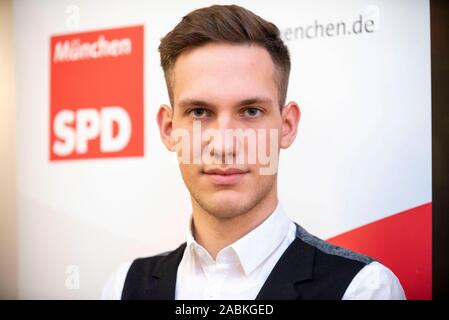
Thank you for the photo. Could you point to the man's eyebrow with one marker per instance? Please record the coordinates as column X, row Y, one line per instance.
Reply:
column 193, row 102
column 255, row 100
column 201, row 103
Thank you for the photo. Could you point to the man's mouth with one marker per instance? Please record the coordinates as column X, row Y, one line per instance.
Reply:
column 225, row 176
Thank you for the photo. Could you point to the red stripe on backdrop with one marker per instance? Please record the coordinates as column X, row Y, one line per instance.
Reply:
column 403, row 243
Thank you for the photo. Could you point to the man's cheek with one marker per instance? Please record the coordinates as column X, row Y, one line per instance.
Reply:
column 268, row 151
column 184, row 145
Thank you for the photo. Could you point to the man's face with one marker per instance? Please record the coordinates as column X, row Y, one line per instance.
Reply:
column 218, row 88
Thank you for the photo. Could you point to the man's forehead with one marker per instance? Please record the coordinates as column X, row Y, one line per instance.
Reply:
column 219, row 59
column 243, row 71
column 214, row 49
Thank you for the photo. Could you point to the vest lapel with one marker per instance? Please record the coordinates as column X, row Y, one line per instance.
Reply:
column 294, row 266
column 165, row 274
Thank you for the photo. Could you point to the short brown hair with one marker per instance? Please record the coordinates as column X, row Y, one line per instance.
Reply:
column 229, row 24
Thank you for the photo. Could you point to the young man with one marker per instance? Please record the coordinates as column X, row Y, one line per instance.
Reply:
column 227, row 74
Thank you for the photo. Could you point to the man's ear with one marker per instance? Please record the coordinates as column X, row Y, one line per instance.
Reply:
column 290, row 119
column 165, row 123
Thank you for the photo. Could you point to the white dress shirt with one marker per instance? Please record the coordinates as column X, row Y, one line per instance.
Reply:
column 240, row 269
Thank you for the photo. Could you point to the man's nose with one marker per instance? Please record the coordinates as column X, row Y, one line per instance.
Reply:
column 225, row 147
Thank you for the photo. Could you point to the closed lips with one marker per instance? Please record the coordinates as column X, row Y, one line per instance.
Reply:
column 225, row 172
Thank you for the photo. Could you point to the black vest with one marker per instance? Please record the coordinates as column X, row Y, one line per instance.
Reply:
column 310, row 268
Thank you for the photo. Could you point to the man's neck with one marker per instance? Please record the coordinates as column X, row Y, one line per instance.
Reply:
column 215, row 233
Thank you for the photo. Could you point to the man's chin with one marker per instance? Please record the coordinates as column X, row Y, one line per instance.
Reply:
column 225, row 204
column 228, row 197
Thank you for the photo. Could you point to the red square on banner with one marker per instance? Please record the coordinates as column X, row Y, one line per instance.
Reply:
column 96, row 94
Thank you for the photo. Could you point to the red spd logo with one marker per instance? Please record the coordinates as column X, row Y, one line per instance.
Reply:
column 96, row 94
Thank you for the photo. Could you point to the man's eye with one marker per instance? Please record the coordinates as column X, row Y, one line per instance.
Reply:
column 252, row 112
column 198, row 112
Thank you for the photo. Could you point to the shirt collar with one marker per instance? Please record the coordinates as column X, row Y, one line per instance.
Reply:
column 254, row 247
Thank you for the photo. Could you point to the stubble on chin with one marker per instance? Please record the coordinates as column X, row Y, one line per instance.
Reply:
column 229, row 208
